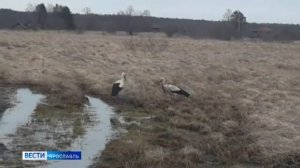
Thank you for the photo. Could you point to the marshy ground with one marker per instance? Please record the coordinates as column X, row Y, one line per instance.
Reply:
column 243, row 110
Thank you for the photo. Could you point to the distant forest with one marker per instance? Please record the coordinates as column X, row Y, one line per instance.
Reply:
column 233, row 25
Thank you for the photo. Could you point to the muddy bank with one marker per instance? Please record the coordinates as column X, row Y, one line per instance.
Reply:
column 5, row 98
column 5, row 102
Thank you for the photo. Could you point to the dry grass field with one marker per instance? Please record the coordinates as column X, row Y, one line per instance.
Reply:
column 244, row 109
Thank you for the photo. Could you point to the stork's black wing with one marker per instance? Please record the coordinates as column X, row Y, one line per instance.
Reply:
column 182, row 92
column 115, row 89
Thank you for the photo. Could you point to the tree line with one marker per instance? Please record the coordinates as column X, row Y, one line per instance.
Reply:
column 233, row 25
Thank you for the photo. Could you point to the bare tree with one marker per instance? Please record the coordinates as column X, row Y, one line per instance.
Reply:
column 146, row 13
column 130, row 11
column 86, row 10
column 227, row 15
column 30, row 8
column 50, row 8
column 121, row 13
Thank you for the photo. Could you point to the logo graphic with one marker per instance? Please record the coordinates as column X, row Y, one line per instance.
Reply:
column 51, row 155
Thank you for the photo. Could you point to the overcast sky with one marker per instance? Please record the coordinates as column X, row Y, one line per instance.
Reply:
column 267, row 11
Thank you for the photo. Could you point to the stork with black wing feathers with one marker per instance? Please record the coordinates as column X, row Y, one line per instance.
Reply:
column 172, row 89
column 118, row 85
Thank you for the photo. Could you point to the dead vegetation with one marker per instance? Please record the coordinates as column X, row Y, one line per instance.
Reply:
column 243, row 111
column 147, row 44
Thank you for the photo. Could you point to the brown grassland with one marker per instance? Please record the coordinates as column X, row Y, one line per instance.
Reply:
column 243, row 110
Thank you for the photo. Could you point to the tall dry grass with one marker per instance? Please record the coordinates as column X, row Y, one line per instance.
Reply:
column 243, row 111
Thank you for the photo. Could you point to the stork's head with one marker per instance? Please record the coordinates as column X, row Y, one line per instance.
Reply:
column 162, row 80
column 124, row 76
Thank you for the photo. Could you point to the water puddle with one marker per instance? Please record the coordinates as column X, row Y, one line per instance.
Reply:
column 95, row 139
column 12, row 118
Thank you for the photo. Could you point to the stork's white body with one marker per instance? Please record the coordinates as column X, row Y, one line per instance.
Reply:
column 170, row 88
column 120, row 82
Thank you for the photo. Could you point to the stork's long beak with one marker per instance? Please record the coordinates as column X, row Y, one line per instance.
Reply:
column 125, row 78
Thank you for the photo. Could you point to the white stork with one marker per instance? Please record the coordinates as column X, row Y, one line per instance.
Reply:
column 118, row 85
column 172, row 89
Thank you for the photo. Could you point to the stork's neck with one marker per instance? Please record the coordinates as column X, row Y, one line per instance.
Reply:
column 162, row 86
column 123, row 78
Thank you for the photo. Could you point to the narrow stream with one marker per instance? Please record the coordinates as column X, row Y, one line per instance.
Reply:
column 12, row 118
column 95, row 139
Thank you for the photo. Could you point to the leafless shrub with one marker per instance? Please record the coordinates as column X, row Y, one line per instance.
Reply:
column 156, row 154
column 131, row 44
column 287, row 160
column 170, row 139
column 152, row 45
